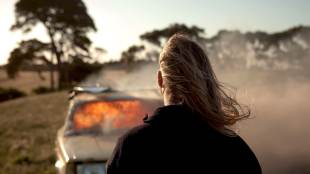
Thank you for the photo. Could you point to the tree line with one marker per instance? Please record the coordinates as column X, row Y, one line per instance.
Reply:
column 67, row 23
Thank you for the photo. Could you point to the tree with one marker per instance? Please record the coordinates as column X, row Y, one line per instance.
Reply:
column 67, row 23
column 283, row 50
column 27, row 52
column 157, row 36
column 130, row 54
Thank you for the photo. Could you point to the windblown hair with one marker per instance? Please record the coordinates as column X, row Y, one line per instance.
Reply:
column 190, row 80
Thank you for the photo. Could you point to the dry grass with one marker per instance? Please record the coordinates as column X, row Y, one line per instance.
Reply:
column 28, row 131
column 25, row 81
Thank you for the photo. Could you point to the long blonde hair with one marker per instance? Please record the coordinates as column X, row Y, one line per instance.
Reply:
column 189, row 79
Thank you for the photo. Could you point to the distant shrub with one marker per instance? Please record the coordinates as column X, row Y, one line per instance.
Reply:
column 21, row 159
column 78, row 70
column 42, row 90
column 10, row 93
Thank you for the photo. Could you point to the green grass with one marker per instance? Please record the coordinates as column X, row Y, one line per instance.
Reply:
column 28, row 129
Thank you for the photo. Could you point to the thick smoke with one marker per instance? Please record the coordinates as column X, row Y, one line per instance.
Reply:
column 138, row 76
column 288, row 50
column 279, row 131
column 271, row 75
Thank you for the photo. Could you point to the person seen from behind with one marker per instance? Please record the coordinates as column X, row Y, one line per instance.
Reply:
column 191, row 132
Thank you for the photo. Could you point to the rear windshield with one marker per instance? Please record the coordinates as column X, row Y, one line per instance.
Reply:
column 108, row 116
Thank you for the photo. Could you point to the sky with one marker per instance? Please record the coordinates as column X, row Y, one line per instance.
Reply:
column 121, row 22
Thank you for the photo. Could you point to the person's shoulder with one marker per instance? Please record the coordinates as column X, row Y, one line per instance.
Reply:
column 237, row 143
column 246, row 154
column 136, row 133
column 129, row 149
column 241, row 143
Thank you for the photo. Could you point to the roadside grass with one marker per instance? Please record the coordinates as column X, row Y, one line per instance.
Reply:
column 28, row 129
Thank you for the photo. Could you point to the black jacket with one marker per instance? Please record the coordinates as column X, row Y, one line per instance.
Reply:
column 175, row 140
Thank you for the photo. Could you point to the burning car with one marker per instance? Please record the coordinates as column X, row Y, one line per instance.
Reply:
column 96, row 118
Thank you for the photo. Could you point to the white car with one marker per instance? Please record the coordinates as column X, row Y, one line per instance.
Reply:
column 96, row 118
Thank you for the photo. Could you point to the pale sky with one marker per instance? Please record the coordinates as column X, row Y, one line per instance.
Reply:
column 120, row 22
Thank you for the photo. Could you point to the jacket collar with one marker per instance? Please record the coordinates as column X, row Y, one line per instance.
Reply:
column 169, row 113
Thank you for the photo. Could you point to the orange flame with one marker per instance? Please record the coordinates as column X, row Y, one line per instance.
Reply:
column 125, row 113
